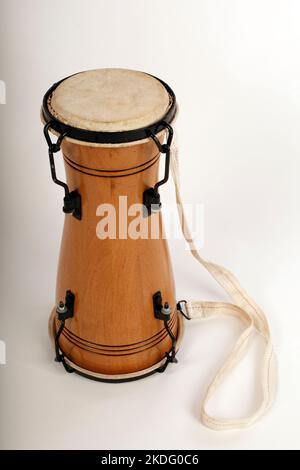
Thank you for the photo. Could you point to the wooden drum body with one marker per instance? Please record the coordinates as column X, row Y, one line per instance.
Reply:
column 113, row 332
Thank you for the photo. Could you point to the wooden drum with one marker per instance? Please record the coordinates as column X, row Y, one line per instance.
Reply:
column 115, row 316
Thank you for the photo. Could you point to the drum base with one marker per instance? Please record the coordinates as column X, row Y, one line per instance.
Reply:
column 118, row 378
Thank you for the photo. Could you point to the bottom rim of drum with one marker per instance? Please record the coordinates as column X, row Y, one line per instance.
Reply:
column 118, row 378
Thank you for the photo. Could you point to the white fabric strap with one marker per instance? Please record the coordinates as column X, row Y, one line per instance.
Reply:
column 242, row 307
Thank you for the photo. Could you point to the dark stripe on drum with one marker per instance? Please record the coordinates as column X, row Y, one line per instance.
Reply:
column 98, row 347
column 119, row 345
column 119, row 352
column 88, row 349
column 110, row 176
column 108, row 171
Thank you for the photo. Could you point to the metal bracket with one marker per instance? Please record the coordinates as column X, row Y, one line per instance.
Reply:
column 151, row 196
column 64, row 311
column 72, row 200
column 163, row 312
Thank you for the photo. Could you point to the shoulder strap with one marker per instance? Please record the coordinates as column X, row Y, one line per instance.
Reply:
column 242, row 307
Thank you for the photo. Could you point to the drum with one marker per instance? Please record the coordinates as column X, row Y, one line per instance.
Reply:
column 115, row 315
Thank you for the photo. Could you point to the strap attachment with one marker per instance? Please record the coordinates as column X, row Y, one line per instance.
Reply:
column 179, row 308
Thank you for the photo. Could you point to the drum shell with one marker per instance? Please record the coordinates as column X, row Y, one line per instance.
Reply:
column 113, row 330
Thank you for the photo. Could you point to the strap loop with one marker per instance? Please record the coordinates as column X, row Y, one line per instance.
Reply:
column 179, row 308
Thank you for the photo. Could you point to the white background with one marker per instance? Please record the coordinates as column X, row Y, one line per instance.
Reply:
column 234, row 66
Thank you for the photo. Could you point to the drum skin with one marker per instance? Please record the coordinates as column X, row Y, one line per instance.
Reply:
column 113, row 330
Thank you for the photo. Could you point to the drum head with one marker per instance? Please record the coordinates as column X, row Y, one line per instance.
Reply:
column 109, row 105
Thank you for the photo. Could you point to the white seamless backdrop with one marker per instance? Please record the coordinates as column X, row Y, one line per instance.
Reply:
column 235, row 68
